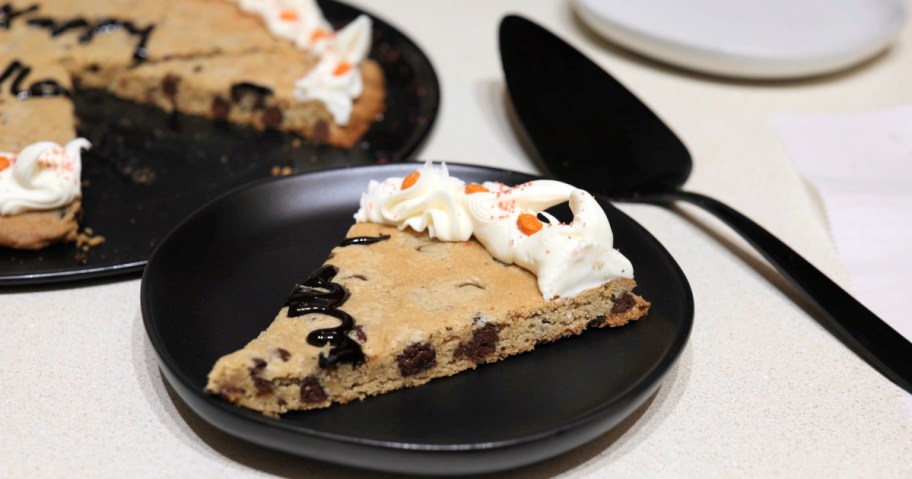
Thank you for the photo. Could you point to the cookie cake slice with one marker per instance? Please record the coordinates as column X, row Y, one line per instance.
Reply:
column 436, row 277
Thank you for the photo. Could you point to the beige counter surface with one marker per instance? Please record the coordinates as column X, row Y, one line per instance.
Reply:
column 762, row 389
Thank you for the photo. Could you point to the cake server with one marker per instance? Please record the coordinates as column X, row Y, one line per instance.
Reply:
column 590, row 131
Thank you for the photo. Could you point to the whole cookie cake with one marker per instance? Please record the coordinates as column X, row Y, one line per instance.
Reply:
column 266, row 64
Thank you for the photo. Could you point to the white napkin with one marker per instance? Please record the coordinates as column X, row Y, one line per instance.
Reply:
column 861, row 164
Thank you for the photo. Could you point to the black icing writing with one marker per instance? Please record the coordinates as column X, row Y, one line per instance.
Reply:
column 363, row 240
column 56, row 28
column 141, row 52
column 88, row 29
column 18, row 72
column 318, row 294
column 8, row 13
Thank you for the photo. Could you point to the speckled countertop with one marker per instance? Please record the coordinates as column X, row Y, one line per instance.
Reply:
column 761, row 389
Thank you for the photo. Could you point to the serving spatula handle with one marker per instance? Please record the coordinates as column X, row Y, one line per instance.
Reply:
column 859, row 328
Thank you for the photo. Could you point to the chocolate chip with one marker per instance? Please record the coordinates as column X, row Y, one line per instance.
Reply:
column 272, row 117
column 284, row 354
column 623, row 304
column 312, row 391
column 93, row 67
column 597, row 322
column 256, row 374
column 169, row 86
column 483, row 343
column 320, row 132
column 262, row 386
column 244, row 89
column 416, row 358
column 220, row 108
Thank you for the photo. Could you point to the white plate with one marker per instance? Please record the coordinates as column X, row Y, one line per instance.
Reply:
column 750, row 39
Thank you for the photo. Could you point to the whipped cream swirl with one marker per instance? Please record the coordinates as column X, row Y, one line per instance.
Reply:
column 42, row 176
column 567, row 259
column 336, row 80
column 436, row 203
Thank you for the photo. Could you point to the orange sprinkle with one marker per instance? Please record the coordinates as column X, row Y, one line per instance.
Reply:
column 342, row 69
column 475, row 188
column 410, row 180
column 318, row 34
column 4, row 163
column 288, row 15
column 528, row 224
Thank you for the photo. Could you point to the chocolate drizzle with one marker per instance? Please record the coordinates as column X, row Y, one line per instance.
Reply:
column 318, row 294
column 18, row 71
column 363, row 240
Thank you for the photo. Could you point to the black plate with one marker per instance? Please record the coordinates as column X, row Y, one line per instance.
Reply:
column 220, row 278
column 148, row 169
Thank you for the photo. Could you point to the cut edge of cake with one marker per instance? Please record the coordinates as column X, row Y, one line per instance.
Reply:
column 36, row 230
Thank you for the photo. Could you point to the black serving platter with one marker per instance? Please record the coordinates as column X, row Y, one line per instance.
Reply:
column 149, row 169
column 218, row 280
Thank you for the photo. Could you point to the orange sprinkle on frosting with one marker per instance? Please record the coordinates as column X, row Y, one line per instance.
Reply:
column 410, row 180
column 342, row 69
column 4, row 163
column 528, row 224
column 288, row 15
column 475, row 188
column 318, row 34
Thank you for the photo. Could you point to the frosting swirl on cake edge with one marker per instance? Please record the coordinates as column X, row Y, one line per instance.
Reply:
column 43, row 176
column 567, row 258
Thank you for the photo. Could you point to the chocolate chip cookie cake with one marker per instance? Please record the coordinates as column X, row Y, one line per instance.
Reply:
column 266, row 64
column 435, row 277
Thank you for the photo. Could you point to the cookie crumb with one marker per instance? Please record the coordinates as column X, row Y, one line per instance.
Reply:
column 88, row 239
column 281, row 170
